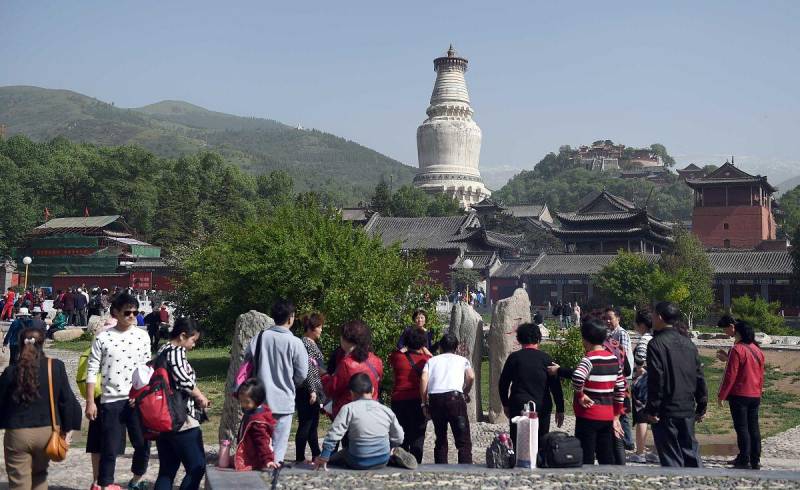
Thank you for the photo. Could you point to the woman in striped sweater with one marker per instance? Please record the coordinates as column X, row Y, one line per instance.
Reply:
column 599, row 386
column 184, row 447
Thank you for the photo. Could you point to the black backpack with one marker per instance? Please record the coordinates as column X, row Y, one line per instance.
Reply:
column 500, row 453
column 560, row 450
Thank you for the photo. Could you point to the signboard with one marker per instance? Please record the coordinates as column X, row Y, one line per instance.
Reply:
column 141, row 280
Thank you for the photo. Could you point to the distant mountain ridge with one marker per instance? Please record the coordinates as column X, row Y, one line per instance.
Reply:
column 315, row 159
column 788, row 185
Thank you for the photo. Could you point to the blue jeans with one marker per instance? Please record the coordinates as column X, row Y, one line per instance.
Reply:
column 280, row 438
column 178, row 448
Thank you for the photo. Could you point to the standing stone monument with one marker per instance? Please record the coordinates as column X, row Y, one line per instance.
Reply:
column 467, row 325
column 507, row 315
column 247, row 326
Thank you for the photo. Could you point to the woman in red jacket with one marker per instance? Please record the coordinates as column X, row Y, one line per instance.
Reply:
column 741, row 386
column 356, row 342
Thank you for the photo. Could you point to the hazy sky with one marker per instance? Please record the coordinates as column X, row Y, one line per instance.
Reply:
column 706, row 79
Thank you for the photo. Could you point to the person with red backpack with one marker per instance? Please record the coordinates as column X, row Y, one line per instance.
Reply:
column 406, row 403
column 115, row 354
column 185, row 445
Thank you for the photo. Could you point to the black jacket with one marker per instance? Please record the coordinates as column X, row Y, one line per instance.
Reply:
column 37, row 413
column 676, row 386
column 526, row 374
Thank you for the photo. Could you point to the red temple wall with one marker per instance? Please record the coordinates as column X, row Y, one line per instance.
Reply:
column 747, row 225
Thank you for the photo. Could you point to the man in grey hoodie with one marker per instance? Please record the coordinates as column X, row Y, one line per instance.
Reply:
column 283, row 366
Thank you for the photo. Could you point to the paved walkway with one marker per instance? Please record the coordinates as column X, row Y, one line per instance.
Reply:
column 781, row 452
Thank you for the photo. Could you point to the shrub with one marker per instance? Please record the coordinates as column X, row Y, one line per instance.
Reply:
column 763, row 316
column 566, row 349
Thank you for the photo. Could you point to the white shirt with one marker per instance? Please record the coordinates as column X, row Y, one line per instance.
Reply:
column 446, row 372
column 115, row 354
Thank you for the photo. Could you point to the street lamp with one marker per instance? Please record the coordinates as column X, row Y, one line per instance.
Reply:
column 468, row 264
column 27, row 261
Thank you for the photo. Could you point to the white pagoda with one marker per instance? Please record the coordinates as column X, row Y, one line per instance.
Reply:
column 449, row 141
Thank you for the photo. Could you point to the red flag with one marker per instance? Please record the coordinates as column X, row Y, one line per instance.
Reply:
column 86, row 212
column 46, row 214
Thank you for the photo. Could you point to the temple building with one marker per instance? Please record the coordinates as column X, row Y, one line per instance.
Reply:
column 95, row 251
column 446, row 242
column 605, row 223
column 732, row 209
column 691, row 171
column 449, row 141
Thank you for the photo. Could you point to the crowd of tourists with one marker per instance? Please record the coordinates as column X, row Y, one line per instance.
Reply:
column 620, row 391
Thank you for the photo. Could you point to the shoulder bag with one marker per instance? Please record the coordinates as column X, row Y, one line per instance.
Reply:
column 57, row 446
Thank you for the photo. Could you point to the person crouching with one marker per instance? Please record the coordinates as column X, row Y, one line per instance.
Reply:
column 254, row 448
column 373, row 432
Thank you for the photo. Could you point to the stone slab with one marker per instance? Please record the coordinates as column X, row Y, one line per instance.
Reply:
column 218, row 479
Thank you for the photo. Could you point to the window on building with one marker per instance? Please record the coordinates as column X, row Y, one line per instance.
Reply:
column 725, row 225
column 727, row 243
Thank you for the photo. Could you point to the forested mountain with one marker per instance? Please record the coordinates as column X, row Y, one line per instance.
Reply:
column 342, row 169
column 557, row 181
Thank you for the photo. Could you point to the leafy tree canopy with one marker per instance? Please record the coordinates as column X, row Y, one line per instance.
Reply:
column 562, row 184
column 411, row 202
column 307, row 254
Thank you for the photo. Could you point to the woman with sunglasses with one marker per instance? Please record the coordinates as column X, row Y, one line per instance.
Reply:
column 114, row 355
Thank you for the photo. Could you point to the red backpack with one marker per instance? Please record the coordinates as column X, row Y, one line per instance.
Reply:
column 161, row 408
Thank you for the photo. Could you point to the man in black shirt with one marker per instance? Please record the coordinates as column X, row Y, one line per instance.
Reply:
column 676, row 390
column 525, row 372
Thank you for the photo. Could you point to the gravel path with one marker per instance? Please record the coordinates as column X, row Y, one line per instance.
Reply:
column 517, row 480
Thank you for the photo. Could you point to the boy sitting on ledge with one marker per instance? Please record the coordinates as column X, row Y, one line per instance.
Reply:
column 373, row 433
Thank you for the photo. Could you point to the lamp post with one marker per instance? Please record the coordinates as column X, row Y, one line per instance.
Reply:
column 468, row 264
column 27, row 261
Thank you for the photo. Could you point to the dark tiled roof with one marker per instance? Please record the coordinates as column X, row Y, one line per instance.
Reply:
column 690, row 168
column 729, row 174
column 526, row 210
column 573, row 216
column 751, row 262
column 512, row 268
column 605, row 200
column 355, row 214
column 440, row 233
column 501, row 240
column 575, row 264
column 480, row 260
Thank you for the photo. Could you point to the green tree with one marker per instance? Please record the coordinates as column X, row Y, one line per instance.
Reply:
column 661, row 151
column 688, row 263
column 382, row 198
column 309, row 255
column 463, row 278
column 276, row 188
column 409, row 202
column 790, row 205
column 625, row 281
column 763, row 316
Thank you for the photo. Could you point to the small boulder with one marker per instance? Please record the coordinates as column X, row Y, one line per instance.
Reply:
column 67, row 334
